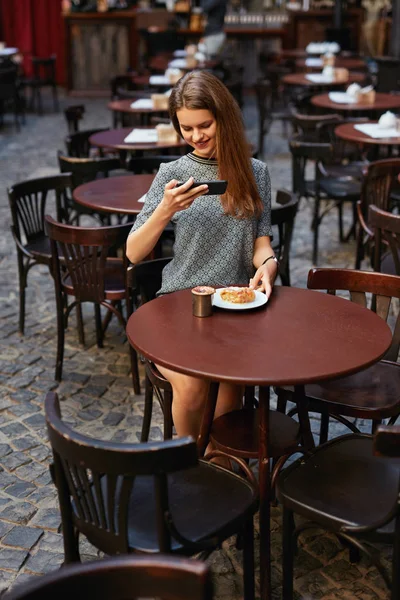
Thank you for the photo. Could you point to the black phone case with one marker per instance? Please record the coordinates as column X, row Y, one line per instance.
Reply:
column 215, row 188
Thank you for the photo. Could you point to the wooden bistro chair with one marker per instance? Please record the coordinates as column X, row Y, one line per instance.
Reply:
column 77, row 144
column 74, row 114
column 44, row 75
column 82, row 171
column 380, row 180
column 350, row 487
column 147, row 498
column 282, row 219
column 29, row 201
column 122, row 578
column 89, row 274
column 386, row 228
column 321, row 188
column 374, row 393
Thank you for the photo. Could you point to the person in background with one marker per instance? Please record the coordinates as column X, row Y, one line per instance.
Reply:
column 214, row 35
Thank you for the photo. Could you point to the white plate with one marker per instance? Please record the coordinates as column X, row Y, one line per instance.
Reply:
column 259, row 300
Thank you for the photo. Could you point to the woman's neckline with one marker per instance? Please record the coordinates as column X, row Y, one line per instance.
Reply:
column 204, row 161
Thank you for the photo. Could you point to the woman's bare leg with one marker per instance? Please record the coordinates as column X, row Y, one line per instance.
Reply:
column 189, row 398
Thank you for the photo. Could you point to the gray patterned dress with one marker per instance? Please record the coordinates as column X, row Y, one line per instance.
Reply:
column 211, row 248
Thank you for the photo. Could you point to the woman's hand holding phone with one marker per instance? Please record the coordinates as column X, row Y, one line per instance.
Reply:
column 179, row 197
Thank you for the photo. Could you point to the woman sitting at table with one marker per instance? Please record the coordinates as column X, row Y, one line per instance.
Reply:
column 219, row 240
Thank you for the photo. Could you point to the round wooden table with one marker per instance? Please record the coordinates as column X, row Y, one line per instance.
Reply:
column 348, row 133
column 299, row 336
column 113, row 139
column 301, row 79
column 114, row 194
column 382, row 103
column 124, row 106
column 341, row 63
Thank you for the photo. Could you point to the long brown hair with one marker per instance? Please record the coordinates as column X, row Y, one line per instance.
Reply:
column 202, row 90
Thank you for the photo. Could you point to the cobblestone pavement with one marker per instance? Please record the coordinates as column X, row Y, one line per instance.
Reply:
column 96, row 392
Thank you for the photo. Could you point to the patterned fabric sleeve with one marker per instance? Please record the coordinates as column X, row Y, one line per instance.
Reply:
column 264, row 187
column 153, row 196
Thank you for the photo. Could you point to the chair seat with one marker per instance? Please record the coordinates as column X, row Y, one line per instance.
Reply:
column 341, row 189
column 342, row 483
column 374, row 390
column 237, row 433
column 201, row 506
column 353, row 169
column 114, row 288
column 40, row 249
column 346, row 188
column 387, row 264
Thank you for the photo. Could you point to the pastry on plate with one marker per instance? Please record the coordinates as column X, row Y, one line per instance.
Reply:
column 238, row 295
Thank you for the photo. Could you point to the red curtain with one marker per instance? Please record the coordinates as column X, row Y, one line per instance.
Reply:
column 36, row 28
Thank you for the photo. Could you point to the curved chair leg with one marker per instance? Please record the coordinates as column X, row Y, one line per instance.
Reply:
column 148, row 410
column 288, row 554
column 248, row 560
column 60, row 338
column 22, row 287
column 324, row 427
column 340, row 215
column 359, row 247
column 134, row 370
column 167, row 415
column 79, row 323
column 316, row 223
column 99, row 326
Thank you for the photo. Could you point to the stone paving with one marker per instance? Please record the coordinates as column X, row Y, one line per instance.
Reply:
column 97, row 398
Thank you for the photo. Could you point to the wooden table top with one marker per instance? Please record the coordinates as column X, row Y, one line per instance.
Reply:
column 114, row 140
column 301, row 79
column 348, row 133
column 114, row 194
column 341, row 63
column 125, row 107
column 299, row 336
column 382, row 102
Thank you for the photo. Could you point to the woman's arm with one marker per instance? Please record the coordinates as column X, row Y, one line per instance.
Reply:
column 266, row 273
column 142, row 241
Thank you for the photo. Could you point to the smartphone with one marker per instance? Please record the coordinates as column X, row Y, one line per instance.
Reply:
column 215, row 188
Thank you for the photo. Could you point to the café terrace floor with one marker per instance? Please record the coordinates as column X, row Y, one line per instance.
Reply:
column 97, row 398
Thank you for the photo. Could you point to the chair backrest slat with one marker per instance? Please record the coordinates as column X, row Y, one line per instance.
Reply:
column 359, row 298
column 96, row 478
